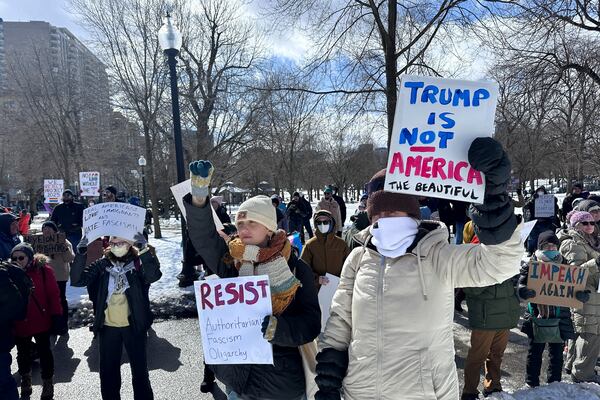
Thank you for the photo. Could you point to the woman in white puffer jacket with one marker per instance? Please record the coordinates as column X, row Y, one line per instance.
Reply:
column 389, row 335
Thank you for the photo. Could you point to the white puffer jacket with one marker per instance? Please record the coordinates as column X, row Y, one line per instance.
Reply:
column 395, row 316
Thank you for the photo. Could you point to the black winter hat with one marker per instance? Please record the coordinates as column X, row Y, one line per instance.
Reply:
column 547, row 237
column 50, row 224
column 24, row 248
column 68, row 191
column 296, row 194
column 112, row 189
column 6, row 219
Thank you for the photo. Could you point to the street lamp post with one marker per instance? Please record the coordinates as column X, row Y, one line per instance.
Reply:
column 142, row 163
column 170, row 41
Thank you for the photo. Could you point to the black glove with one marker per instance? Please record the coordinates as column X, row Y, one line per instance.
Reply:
column 582, row 295
column 494, row 220
column 332, row 366
column 526, row 293
column 535, row 196
column 598, row 261
column 328, row 395
column 269, row 326
column 140, row 241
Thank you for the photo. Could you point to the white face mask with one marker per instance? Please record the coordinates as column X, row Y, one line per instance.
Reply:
column 119, row 251
column 394, row 235
column 324, row 228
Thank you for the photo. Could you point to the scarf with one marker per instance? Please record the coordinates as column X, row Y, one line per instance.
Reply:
column 117, row 279
column 394, row 235
column 271, row 261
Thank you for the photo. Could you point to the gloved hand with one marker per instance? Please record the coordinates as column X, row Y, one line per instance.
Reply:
column 582, row 295
column 269, row 326
column 201, row 173
column 526, row 293
column 82, row 245
column 332, row 366
column 494, row 220
column 598, row 261
column 140, row 241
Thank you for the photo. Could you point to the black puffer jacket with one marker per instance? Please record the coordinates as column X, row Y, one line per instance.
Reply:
column 300, row 323
column 494, row 220
column 564, row 313
column 15, row 288
column 146, row 271
column 68, row 217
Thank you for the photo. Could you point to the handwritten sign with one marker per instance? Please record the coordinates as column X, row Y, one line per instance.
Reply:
column 544, row 206
column 556, row 284
column 184, row 188
column 49, row 244
column 89, row 183
column 326, row 293
column 231, row 312
column 436, row 121
column 53, row 190
column 113, row 219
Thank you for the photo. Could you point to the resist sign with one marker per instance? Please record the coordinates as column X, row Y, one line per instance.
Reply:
column 231, row 312
column 435, row 122
column 556, row 284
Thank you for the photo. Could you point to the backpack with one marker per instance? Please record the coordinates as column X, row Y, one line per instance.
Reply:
column 15, row 290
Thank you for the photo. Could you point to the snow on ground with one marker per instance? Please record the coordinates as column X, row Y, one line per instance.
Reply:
column 554, row 391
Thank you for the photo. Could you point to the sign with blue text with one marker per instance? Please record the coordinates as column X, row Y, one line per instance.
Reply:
column 435, row 123
column 231, row 312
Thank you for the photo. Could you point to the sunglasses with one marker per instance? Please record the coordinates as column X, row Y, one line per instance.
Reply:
column 19, row 258
column 586, row 223
column 322, row 223
column 118, row 244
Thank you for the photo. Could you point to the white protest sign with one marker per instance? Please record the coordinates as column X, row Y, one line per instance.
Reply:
column 326, row 293
column 544, row 206
column 89, row 183
column 526, row 229
column 113, row 219
column 435, row 123
column 181, row 190
column 230, row 313
column 53, row 190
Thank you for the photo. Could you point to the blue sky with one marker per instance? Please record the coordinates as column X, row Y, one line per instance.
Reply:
column 52, row 11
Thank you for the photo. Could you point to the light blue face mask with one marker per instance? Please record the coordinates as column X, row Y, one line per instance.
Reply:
column 552, row 254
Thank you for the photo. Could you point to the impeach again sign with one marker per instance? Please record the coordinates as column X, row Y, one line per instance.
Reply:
column 556, row 284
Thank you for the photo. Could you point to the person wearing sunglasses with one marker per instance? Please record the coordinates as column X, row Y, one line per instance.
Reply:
column 44, row 315
column 325, row 253
column 122, row 314
column 580, row 246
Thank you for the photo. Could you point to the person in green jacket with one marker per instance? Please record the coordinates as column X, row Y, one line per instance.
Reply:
column 493, row 311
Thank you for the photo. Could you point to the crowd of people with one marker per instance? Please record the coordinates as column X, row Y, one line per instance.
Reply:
column 425, row 254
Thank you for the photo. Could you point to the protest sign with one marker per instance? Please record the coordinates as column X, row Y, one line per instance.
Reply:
column 181, row 190
column 49, row 245
column 53, row 190
column 89, row 184
column 544, row 206
column 556, row 284
column 326, row 293
column 526, row 229
column 435, row 122
column 113, row 219
column 230, row 313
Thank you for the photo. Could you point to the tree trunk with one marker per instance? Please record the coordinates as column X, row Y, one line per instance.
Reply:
column 152, row 183
column 391, row 68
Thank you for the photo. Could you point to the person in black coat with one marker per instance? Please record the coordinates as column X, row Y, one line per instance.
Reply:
column 307, row 211
column 9, row 234
column 547, row 250
column 122, row 315
column 15, row 288
column 68, row 217
column 543, row 223
column 567, row 204
column 295, row 321
column 340, row 200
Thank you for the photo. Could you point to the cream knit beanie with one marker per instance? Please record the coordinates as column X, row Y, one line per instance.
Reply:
column 259, row 209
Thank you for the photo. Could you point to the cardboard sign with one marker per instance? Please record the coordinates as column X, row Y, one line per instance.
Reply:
column 53, row 190
column 49, row 245
column 113, row 219
column 556, row 284
column 435, row 123
column 89, row 183
column 544, row 206
column 180, row 191
column 231, row 312
column 326, row 293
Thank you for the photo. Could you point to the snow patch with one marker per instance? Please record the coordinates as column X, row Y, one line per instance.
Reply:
column 554, row 391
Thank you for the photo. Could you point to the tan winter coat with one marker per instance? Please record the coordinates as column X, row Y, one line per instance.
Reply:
column 334, row 208
column 60, row 263
column 578, row 251
column 394, row 316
